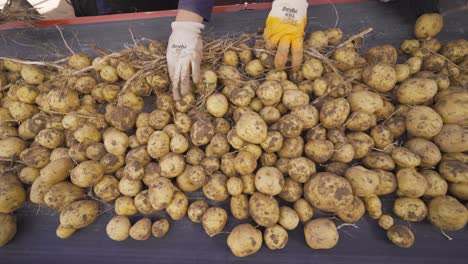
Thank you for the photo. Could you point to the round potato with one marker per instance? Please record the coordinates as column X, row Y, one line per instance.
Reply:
column 172, row 165
column 118, row 228
column 291, row 191
column 455, row 171
column 437, row 184
column 380, row 76
column 87, row 173
column 251, row 128
column 354, row 212
column 363, row 181
column 319, row 150
column 141, row 230
column 411, row 183
column 214, row 220
column 215, row 189
column 401, row 236
column 12, row 194
column 301, row 169
column 321, row 233
column 177, row 208
column 416, row 91
column 334, row 113
column 160, row 228
column 244, row 240
column 288, row 219
column 264, row 209
column 125, row 206
column 422, row 121
column 196, row 210
column 387, row 182
column 269, row 180
column 160, row 194
column 245, row 162
column 329, row 192
column 428, row 25
column 275, row 237
column 426, row 150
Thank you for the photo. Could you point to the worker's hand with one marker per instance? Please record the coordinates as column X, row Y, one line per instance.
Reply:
column 184, row 55
column 285, row 29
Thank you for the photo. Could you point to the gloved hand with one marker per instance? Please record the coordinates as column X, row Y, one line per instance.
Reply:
column 184, row 52
column 285, row 29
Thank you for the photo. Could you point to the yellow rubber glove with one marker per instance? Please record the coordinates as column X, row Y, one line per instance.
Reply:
column 285, row 30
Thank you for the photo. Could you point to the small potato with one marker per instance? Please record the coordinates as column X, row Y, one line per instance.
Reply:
column 64, row 232
column 354, row 212
column 218, row 146
column 241, row 97
column 408, row 46
column 270, row 93
column 11, row 147
column 303, row 210
column 411, row 183
column 402, row 71
column 380, row 76
column 223, row 126
column 142, row 203
column 289, row 219
column 386, row 221
column 239, row 206
column 107, row 189
column 322, row 192
column 37, row 157
column 211, row 164
column 334, row 113
column 382, row 136
column 455, row 50
column 141, row 230
column 244, row 240
column 227, row 164
column 87, row 173
column 79, row 214
column 312, row 68
column 254, row 68
column 268, row 159
column 234, row 186
column 290, row 126
column 160, row 228
column 404, row 158
column 385, row 54
column 130, row 187
column 359, row 121
column 50, row 138
column 269, row 180
column 344, row 152
column 160, row 194
column 410, row 209
column 293, row 99
column 275, row 75
column 437, row 184
column 334, row 35
column 202, row 132
column 112, row 163
column 234, row 140
column 428, row 25
column 28, row 175
column 214, row 220
column 177, row 208
column 264, row 209
column 401, row 236
column 319, row 151
column 373, row 206
column 172, row 165
column 308, row 114
column 291, row 191
column 215, row 189
column 143, row 133
column 87, row 134
column 79, row 61
column 301, row 169
column 121, row 117
column 229, row 74
column 217, row 105
column 8, row 228
column 363, row 181
column 379, row 160
column 248, row 181
column 196, row 210
column 317, row 40
column 422, row 121
column 273, row 142
column 109, row 74
column 387, row 182
column 426, row 150
column 194, row 156
column 158, row 144
column 453, row 107
column 62, row 195
column 118, row 228
column 245, row 162
column 125, row 206
column 338, row 168
column 275, row 237
column 321, row 233
column 292, row 148
column 251, row 128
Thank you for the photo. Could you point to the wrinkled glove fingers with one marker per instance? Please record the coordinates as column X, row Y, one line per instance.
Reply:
column 282, row 54
column 185, row 78
column 176, row 81
column 297, row 53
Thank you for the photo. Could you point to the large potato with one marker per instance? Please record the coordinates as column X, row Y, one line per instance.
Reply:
column 160, row 194
column 329, row 192
column 79, row 214
column 334, row 113
column 87, row 173
column 423, row 121
column 416, row 91
column 452, row 138
column 118, row 228
column 455, row 171
column 380, row 76
column 264, row 209
column 244, row 240
column 321, row 233
column 269, row 180
column 365, row 101
column 411, row 183
column 446, row 213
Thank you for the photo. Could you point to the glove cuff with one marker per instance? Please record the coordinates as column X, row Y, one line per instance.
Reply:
column 293, row 2
column 187, row 27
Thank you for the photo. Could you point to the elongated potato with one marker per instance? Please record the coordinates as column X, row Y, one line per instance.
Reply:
column 63, row 194
column 264, row 209
column 79, row 214
column 8, row 228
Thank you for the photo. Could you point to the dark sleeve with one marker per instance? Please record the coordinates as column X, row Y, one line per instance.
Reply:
column 201, row 7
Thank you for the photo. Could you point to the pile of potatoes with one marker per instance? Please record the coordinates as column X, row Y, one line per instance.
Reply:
column 280, row 147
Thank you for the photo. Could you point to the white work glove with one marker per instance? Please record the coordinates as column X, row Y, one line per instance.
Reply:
column 184, row 52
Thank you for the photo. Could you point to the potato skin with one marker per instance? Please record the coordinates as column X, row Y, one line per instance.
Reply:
column 289, row 219
column 239, row 206
column 321, row 233
column 422, row 121
column 454, row 171
column 79, row 214
column 416, row 91
column 401, row 236
column 7, row 228
column 269, row 180
column 244, row 240
column 160, row 193
column 363, row 181
column 275, row 237
column 160, row 228
column 63, row 194
column 411, row 183
column 428, row 152
column 177, row 208
column 118, row 228
column 264, row 209
column 12, row 194
column 334, row 113
column 87, row 173
column 428, row 25
column 196, row 210
column 354, row 212
column 446, row 213
column 141, row 230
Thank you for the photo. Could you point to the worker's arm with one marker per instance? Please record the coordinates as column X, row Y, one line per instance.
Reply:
column 185, row 47
column 285, row 31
